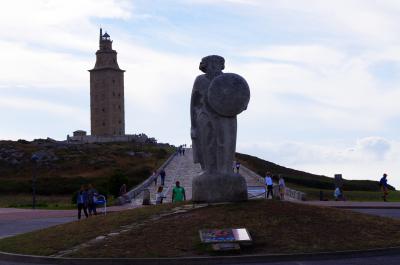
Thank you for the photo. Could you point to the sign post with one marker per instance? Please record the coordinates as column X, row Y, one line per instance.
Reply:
column 34, row 159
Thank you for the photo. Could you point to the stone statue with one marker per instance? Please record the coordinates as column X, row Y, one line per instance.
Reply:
column 217, row 98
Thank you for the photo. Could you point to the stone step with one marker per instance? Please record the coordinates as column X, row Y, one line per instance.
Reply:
column 182, row 169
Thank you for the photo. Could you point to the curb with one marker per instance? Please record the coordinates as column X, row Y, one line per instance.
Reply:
column 4, row 256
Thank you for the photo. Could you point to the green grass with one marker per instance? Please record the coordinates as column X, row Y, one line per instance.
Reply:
column 51, row 240
column 275, row 227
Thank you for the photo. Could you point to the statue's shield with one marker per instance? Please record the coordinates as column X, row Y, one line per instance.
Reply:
column 229, row 94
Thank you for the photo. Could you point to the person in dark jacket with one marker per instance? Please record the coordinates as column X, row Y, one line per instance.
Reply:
column 384, row 187
column 162, row 176
column 82, row 202
column 92, row 198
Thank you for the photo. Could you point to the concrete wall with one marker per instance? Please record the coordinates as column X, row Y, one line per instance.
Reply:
column 107, row 139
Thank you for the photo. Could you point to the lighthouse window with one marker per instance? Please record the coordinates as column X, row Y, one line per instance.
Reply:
column 119, row 107
column 103, row 110
column 104, row 124
column 113, row 81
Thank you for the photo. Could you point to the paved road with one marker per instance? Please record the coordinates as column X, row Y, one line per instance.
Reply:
column 393, row 213
column 15, row 227
column 17, row 221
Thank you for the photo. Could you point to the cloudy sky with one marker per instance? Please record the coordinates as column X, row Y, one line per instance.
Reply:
column 324, row 75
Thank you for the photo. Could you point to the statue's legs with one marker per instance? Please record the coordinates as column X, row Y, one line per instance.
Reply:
column 219, row 183
column 226, row 142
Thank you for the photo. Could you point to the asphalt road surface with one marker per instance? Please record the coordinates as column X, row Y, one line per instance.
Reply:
column 393, row 213
column 15, row 227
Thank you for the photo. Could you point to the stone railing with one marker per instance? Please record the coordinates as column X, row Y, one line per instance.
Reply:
column 133, row 193
column 295, row 194
column 252, row 174
column 291, row 193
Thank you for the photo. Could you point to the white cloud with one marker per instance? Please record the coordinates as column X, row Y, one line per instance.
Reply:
column 58, row 23
column 30, row 105
column 377, row 146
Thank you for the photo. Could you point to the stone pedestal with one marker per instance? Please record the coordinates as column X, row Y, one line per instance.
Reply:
column 217, row 187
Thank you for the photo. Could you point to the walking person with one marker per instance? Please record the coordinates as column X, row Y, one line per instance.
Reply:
column 162, row 177
column 81, row 201
column 338, row 194
column 92, row 199
column 384, row 187
column 122, row 190
column 237, row 165
column 179, row 150
column 160, row 195
column 155, row 176
column 282, row 187
column 269, row 183
column 178, row 193
column 124, row 194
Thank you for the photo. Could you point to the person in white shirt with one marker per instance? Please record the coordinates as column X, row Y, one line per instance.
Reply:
column 269, row 184
column 159, row 195
column 282, row 187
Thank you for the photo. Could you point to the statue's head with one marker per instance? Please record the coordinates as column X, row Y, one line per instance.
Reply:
column 212, row 64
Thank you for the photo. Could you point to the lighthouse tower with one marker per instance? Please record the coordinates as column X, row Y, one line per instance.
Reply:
column 107, row 114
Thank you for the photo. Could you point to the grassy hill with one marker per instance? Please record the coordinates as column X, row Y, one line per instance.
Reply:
column 301, row 178
column 62, row 168
column 312, row 184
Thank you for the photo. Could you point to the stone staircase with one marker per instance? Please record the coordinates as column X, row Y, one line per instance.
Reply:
column 182, row 168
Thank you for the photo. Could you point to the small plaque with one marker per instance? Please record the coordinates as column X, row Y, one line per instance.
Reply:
column 217, row 235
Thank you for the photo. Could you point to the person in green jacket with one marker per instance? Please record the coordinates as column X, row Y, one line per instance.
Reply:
column 178, row 193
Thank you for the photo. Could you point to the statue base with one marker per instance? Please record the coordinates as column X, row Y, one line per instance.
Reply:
column 217, row 187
